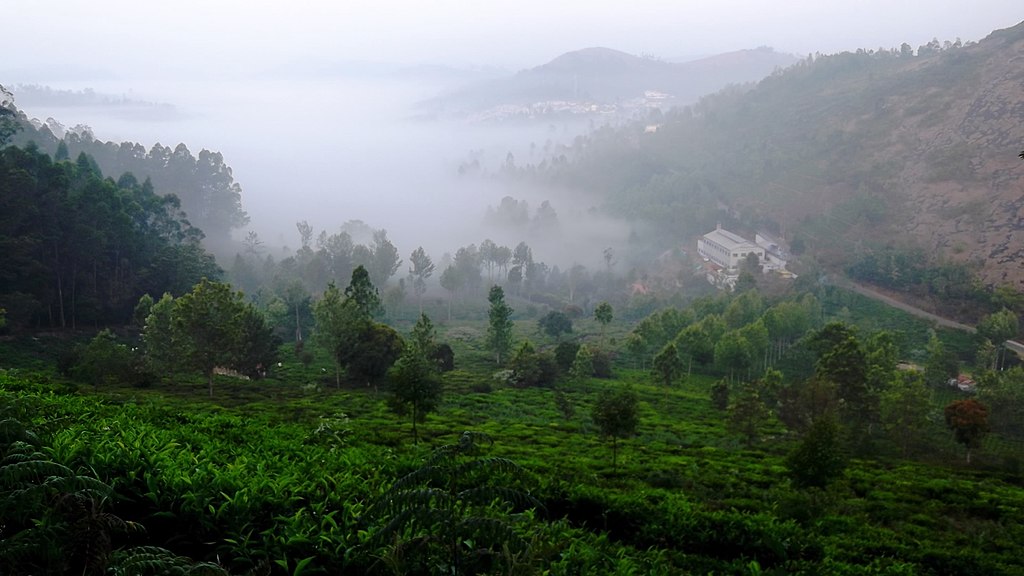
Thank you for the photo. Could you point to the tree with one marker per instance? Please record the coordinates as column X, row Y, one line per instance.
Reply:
column 818, row 459
column 384, row 261
column 338, row 327
column 257, row 350
column 451, row 281
column 104, row 360
column 141, row 312
column 554, row 324
column 939, row 366
column 423, row 335
column 603, row 314
column 206, row 328
column 531, row 368
column 415, row 386
column 499, row 329
column 376, row 349
column 421, row 270
column 363, row 294
column 157, row 336
column 904, row 410
column 748, row 414
column 732, row 353
column 720, row 395
column 968, row 419
column 667, row 364
column 583, row 365
column 615, row 414
column 999, row 327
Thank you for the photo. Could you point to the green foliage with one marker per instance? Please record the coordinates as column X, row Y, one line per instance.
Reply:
column 554, row 324
column 452, row 515
column 363, row 295
column 565, row 354
column 105, row 361
column 720, row 395
column 940, row 365
column 531, row 368
column 999, row 327
column 378, row 347
column 903, row 411
column 499, row 327
column 667, row 365
column 819, row 459
column 59, row 521
column 338, row 325
column 601, row 362
column 1003, row 393
column 583, row 365
column 444, row 357
column 62, row 219
column 968, row 419
column 603, row 313
column 615, row 414
column 157, row 335
column 208, row 327
column 415, row 387
column 748, row 415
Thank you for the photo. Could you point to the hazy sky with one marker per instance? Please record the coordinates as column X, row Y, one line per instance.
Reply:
column 228, row 37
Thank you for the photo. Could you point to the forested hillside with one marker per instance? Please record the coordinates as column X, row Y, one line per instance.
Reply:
column 209, row 195
column 848, row 155
column 78, row 249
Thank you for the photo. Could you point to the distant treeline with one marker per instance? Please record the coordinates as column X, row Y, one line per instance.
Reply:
column 204, row 184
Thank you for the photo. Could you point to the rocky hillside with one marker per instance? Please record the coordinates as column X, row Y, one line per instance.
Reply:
column 848, row 154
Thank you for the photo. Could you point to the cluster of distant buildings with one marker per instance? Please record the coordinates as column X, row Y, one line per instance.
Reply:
column 579, row 108
column 723, row 253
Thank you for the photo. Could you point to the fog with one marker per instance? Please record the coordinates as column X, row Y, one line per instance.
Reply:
column 332, row 150
column 310, row 109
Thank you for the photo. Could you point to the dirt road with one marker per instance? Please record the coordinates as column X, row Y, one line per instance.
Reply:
column 864, row 290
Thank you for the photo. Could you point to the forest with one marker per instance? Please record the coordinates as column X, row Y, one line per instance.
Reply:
column 484, row 414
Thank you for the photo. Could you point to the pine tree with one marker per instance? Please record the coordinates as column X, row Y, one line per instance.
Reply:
column 499, row 331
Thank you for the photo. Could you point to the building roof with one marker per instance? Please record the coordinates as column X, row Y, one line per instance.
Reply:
column 729, row 240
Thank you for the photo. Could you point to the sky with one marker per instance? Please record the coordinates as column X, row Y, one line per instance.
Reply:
column 272, row 85
column 232, row 37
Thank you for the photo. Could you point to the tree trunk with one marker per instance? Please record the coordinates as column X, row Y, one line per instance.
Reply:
column 209, row 379
column 415, row 433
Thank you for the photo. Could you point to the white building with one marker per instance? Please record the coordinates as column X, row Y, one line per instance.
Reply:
column 726, row 249
column 776, row 255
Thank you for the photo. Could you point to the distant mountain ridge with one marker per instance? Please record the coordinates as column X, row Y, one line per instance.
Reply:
column 604, row 76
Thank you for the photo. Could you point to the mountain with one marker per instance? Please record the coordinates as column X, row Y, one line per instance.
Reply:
column 856, row 155
column 602, row 76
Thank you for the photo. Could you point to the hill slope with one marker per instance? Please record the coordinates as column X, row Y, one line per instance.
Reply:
column 850, row 153
column 605, row 76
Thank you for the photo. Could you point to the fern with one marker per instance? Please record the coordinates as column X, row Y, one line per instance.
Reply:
column 450, row 509
column 152, row 560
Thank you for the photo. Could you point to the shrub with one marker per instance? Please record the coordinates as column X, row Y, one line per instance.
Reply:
column 565, row 353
